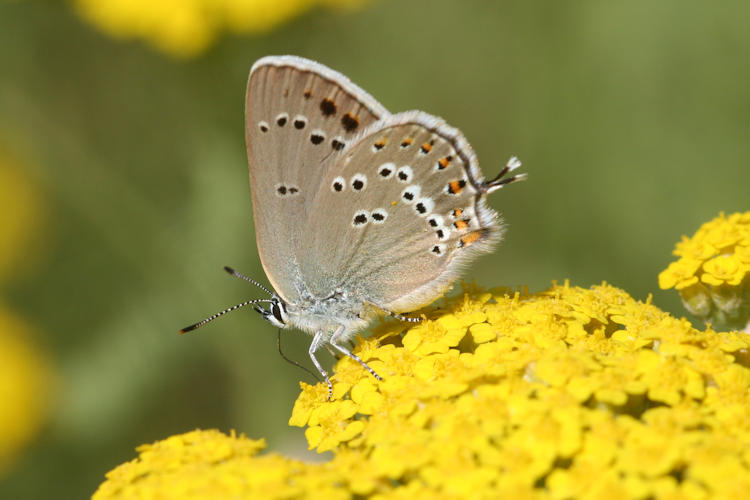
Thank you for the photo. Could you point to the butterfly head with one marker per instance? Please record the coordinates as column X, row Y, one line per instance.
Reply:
column 276, row 313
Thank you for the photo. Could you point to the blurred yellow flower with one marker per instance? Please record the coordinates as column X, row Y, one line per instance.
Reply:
column 580, row 393
column 186, row 28
column 25, row 387
column 26, row 377
column 712, row 274
column 20, row 219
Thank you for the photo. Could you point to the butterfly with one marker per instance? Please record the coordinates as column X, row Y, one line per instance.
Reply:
column 358, row 212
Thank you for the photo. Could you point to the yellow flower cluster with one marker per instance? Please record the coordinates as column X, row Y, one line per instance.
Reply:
column 567, row 393
column 25, row 383
column 25, row 374
column 185, row 28
column 712, row 274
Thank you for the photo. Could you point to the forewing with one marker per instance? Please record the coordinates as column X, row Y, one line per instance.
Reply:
column 298, row 113
column 400, row 212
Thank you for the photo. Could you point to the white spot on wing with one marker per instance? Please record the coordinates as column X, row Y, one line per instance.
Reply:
column 359, row 182
column 437, row 250
column 299, row 122
column 281, row 119
column 317, row 136
column 360, row 218
column 338, row 184
column 411, row 193
column 424, row 206
column 386, row 170
column 405, row 174
column 379, row 215
column 435, row 221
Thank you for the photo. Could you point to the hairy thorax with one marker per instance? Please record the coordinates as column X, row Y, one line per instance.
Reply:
column 329, row 314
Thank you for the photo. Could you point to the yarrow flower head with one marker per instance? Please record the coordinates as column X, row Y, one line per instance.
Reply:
column 712, row 274
column 566, row 393
column 186, row 28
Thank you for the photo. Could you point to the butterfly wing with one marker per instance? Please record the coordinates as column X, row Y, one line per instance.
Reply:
column 399, row 214
column 298, row 113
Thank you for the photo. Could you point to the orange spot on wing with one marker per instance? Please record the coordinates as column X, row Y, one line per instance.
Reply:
column 407, row 142
column 455, row 186
column 350, row 122
column 426, row 147
column 461, row 224
column 470, row 238
column 457, row 212
column 444, row 162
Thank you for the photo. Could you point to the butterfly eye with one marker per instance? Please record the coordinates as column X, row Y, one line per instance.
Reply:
column 276, row 310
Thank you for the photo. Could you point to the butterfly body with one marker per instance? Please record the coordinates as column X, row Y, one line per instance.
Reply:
column 357, row 211
column 328, row 315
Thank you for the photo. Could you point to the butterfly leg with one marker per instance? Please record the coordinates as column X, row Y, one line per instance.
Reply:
column 343, row 350
column 393, row 314
column 318, row 340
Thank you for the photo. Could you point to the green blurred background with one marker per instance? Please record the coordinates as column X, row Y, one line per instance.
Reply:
column 632, row 120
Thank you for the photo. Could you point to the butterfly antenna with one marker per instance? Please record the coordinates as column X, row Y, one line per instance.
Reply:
column 499, row 182
column 242, row 276
column 221, row 313
column 291, row 361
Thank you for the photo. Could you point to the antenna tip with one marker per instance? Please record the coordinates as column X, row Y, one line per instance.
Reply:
column 188, row 328
column 229, row 269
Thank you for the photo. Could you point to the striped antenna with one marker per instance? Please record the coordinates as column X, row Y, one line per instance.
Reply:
column 221, row 313
column 242, row 276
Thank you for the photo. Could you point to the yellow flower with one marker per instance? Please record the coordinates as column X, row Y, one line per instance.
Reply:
column 680, row 274
column 712, row 272
column 209, row 464
column 724, row 269
column 186, row 28
column 693, row 249
column 20, row 219
column 582, row 393
column 25, row 387
column 26, row 377
column 743, row 253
